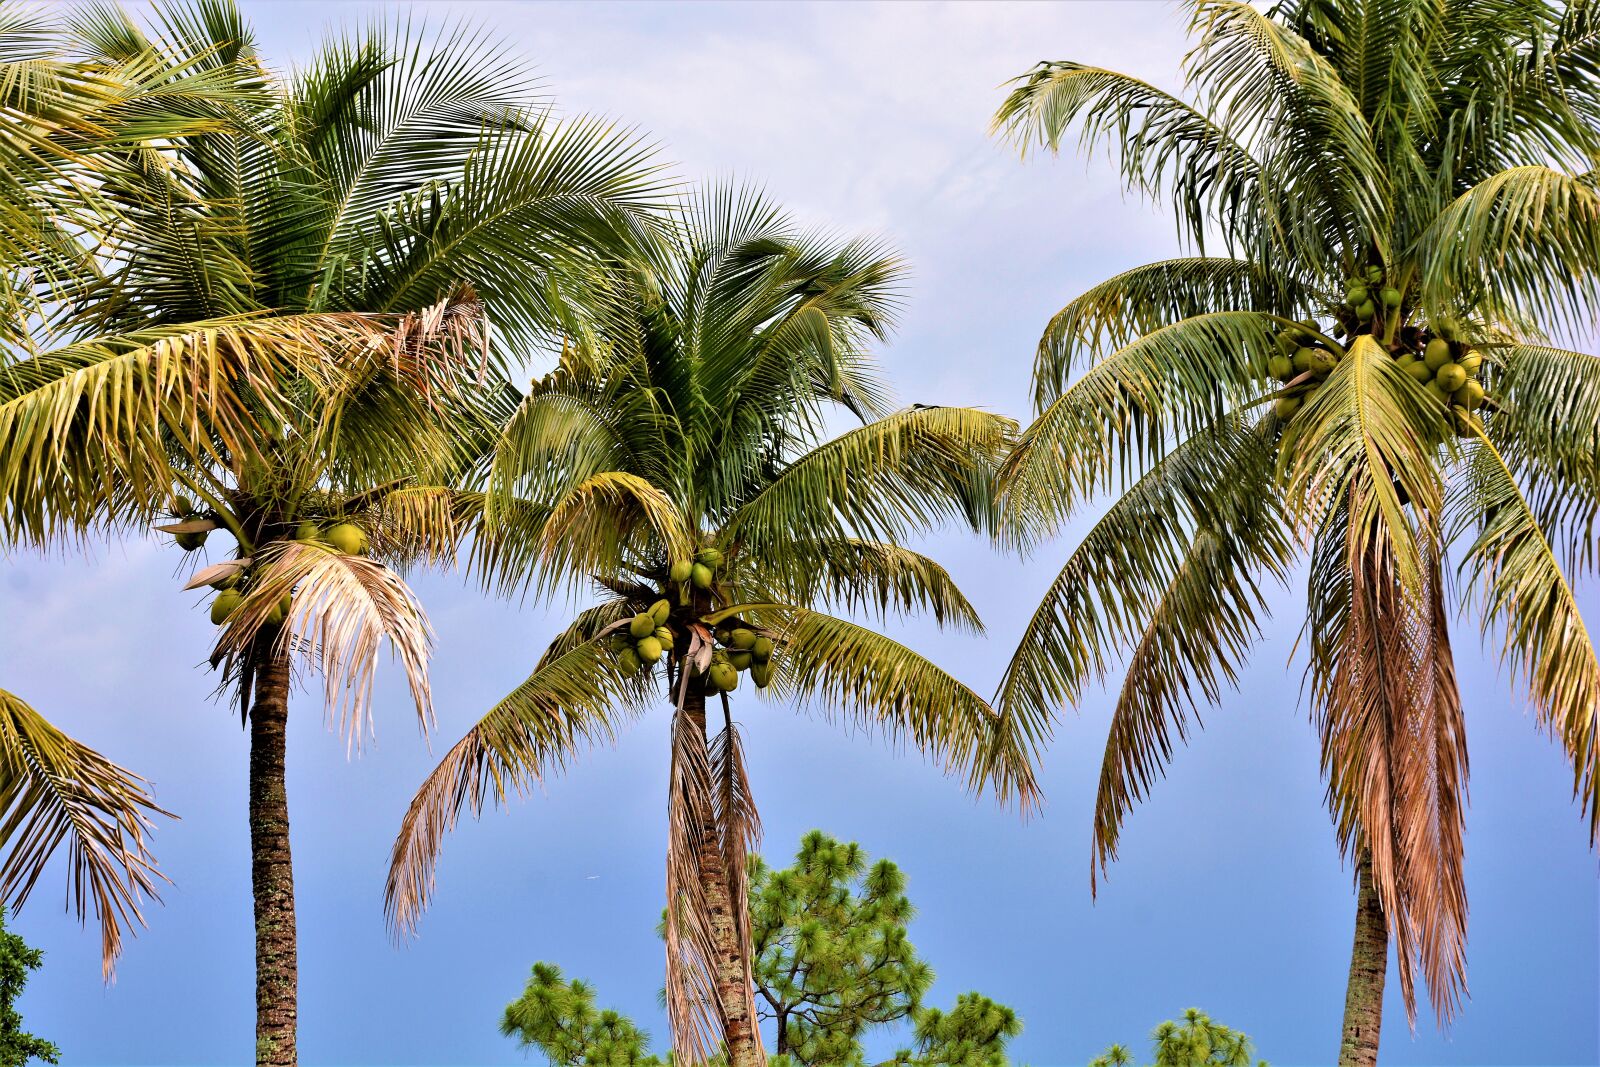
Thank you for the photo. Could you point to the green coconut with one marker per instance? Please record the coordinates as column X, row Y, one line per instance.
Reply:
column 1451, row 376
column 742, row 638
column 1323, row 362
column 762, row 649
column 1305, row 359
column 701, row 576
column 1356, row 294
column 649, row 649
column 761, row 674
column 619, row 641
column 182, row 505
column 1472, row 363
column 1467, row 425
column 1447, row 328
column 1281, row 367
column 1287, row 341
column 280, row 611
column 628, row 660
column 1285, row 407
column 1390, row 297
column 1405, row 360
column 709, row 556
column 642, row 625
column 347, row 537
column 1469, row 396
column 191, row 541
column 1366, row 309
column 1438, row 390
column 223, row 605
column 1420, row 371
column 1437, row 353
column 307, row 531
column 741, row 660
column 679, row 572
column 663, row 635
column 660, row 611
column 724, row 677
column 1373, row 273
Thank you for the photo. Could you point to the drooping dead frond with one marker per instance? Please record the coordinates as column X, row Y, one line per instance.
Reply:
column 342, row 609
column 694, row 1010
column 1394, row 749
column 54, row 790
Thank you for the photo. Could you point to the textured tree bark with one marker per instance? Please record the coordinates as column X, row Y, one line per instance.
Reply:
column 1369, row 963
column 733, row 993
column 271, row 869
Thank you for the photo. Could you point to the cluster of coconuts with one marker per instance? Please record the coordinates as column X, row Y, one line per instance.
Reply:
column 1434, row 357
column 346, row 537
column 646, row 639
column 700, row 572
column 739, row 649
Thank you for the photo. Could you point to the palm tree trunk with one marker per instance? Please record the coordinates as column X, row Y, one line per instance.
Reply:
column 1369, row 962
column 271, row 869
column 733, row 995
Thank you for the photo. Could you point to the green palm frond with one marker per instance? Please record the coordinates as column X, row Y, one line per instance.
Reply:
column 55, row 791
column 1171, row 383
column 880, row 577
column 905, row 472
column 1139, row 301
column 1530, row 234
column 841, row 669
column 570, row 702
column 1525, row 597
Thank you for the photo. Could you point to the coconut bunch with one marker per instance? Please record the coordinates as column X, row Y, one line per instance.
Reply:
column 734, row 646
column 232, row 578
column 1434, row 356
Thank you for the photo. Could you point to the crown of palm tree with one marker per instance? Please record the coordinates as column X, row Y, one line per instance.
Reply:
column 689, row 422
column 1448, row 149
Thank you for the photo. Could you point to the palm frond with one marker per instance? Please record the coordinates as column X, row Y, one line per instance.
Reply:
column 875, row 576
column 55, row 791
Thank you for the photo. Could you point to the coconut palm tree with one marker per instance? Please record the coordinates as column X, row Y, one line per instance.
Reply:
column 677, row 456
column 1399, row 205
column 288, row 317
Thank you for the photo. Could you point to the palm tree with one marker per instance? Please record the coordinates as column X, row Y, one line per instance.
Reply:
column 287, row 317
column 1413, row 182
column 677, row 455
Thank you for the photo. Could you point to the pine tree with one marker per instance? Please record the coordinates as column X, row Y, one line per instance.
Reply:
column 17, row 1047
column 1196, row 1042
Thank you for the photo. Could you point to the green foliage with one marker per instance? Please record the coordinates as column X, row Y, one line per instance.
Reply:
column 16, row 960
column 830, row 949
column 1195, row 1042
column 832, row 963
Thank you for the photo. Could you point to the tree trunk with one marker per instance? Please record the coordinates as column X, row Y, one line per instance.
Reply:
column 733, row 991
column 271, row 870
column 1369, row 963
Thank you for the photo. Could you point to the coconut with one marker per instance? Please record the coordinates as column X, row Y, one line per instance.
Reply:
column 1373, row 273
column 1287, row 341
column 347, row 537
column 741, row 661
column 1447, row 328
column 628, row 660
column 182, row 505
column 1285, row 407
column 1451, row 376
column 659, row 612
column 1305, row 359
column 700, row 574
column 1437, row 354
column 1323, row 362
column 1469, row 396
column 191, row 541
column 762, row 649
column 1390, row 297
column 280, row 611
column 642, row 624
column 1405, row 360
column 724, row 677
column 709, row 556
column 742, row 638
column 1281, row 367
column 761, row 674
column 619, row 641
column 1438, row 390
column 663, row 635
column 1472, row 362
column 1467, row 425
column 1366, row 309
column 307, row 531
column 649, row 649
column 680, row 570
column 1420, row 371
column 223, row 605
column 1355, row 295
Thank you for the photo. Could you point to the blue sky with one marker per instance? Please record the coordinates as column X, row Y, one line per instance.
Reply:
column 1230, row 894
